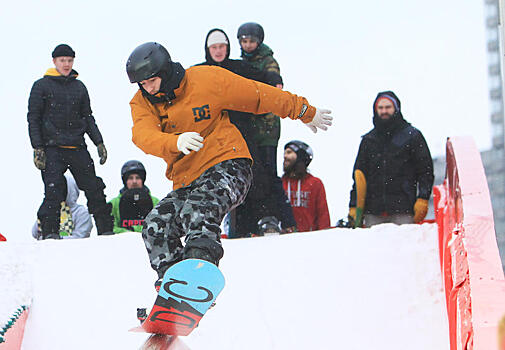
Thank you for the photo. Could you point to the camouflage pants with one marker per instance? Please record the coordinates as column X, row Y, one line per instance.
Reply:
column 195, row 211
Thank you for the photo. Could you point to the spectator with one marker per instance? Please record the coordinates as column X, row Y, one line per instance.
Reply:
column 178, row 115
column 59, row 115
column 393, row 172
column 75, row 221
column 217, row 53
column 134, row 201
column 242, row 221
column 305, row 191
column 267, row 196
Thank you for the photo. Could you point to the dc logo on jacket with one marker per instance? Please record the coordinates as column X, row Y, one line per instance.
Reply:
column 201, row 113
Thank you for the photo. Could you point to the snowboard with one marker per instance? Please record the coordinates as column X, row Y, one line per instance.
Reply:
column 188, row 290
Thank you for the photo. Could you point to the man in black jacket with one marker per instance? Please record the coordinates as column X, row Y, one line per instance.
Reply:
column 393, row 172
column 59, row 114
column 266, row 196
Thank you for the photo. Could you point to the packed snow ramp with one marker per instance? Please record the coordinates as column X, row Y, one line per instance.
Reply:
column 389, row 287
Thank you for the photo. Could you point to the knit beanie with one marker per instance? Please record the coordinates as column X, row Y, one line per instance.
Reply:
column 216, row 37
column 63, row 50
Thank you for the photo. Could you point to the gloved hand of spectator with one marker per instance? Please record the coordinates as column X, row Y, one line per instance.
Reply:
column 291, row 229
column 189, row 141
column 102, row 153
column 420, row 210
column 39, row 158
column 321, row 120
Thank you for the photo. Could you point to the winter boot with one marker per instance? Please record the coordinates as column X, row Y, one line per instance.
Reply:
column 52, row 236
column 104, row 224
column 49, row 229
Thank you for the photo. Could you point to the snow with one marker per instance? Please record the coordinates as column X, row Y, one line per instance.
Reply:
column 15, row 280
column 377, row 288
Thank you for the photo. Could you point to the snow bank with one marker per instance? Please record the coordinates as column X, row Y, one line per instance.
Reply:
column 376, row 288
column 15, row 285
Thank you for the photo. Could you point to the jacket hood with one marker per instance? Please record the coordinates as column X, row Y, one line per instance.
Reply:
column 395, row 121
column 72, row 191
column 208, row 57
column 168, row 85
column 52, row 72
column 390, row 95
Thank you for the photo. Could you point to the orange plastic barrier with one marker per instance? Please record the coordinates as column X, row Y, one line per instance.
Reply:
column 14, row 335
column 469, row 258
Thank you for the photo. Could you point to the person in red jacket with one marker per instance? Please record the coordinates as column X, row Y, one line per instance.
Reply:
column 305, row 191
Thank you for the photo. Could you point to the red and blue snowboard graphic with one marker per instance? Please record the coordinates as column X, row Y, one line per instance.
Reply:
column 188, row 290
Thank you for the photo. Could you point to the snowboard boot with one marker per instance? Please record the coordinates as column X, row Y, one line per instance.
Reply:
column 205, row 249
column 198, row 253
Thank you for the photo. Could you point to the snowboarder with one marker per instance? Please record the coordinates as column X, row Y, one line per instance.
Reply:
column 179, row 115
column 59, row 114
column 305, row 191
column 134, row 201
column 393, row 172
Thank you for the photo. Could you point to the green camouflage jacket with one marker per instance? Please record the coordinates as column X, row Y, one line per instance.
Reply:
column 267, row 126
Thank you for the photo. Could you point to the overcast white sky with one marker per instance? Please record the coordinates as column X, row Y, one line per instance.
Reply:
column 337, row 54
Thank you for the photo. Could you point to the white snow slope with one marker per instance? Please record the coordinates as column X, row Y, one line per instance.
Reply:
column 377, row 288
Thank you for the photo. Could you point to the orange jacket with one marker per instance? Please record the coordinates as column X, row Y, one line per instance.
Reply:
column 204, row 95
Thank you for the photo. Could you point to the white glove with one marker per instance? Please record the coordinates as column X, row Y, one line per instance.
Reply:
column 189, row 141
column 321, row 120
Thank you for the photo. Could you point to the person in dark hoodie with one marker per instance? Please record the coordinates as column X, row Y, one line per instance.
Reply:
column 217, row 53
column 59, row 114
column 266, row 196
column 134, row 201
column 393, row 172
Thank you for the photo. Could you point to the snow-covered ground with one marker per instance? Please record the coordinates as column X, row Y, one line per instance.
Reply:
column 376, row 288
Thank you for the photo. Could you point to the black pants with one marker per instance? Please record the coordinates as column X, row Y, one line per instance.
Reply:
column 266, row 197
column 268, row 155
column 81, row 165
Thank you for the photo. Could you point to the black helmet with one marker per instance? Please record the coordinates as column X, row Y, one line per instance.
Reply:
column 147, row 61
column 303, row 151
column 251, row 30
column 133, row 167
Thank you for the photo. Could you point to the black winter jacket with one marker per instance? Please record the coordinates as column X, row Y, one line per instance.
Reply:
column 398, row 168
column 59, row 112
